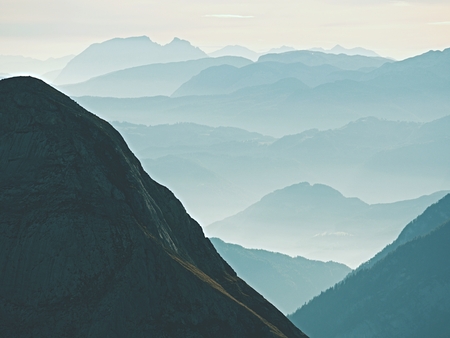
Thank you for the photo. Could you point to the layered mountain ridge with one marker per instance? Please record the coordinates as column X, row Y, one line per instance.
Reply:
column 318, row 222
column 119, row 53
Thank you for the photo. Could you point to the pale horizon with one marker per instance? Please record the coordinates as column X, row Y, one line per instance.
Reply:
column 396, row 29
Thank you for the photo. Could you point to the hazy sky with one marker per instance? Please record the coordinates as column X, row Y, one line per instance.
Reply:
column 398, row 29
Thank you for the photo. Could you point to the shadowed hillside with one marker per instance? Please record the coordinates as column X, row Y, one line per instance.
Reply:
column 404, row 294
column 90, row 245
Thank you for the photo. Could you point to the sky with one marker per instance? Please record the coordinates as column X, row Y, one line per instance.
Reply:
column 397, row 29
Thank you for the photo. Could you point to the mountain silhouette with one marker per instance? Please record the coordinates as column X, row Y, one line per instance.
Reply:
column 431, row 218
column 312, row 58
column 236, row 50
column 282, row 49
column 348, row 51
column 247, row 53
column 355, row 159
column 404, row 294
column 148, row 80
column 392, row 94
column 228, row 79
column 92, row 246
column 283, row 280
column 205, row 194
column 118, row 53
column 318, row 222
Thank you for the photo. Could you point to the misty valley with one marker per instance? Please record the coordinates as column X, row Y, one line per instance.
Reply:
column 157, row 190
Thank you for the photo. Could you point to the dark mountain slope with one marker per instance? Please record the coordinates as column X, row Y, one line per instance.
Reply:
column 91, row 246
column 285, row 281
column 406, row 294
column 433, row 217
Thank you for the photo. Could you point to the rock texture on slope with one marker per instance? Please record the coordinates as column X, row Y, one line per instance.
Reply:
column 91, row 246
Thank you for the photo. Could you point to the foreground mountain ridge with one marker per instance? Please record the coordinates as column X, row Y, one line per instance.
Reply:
column 91, row 246
column 403, row 294
column 434, row 216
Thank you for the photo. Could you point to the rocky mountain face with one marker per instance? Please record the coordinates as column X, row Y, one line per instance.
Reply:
column 406, row 293
column 91, row 246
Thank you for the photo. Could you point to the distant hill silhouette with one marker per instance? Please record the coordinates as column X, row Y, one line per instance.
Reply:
column 404, row 294
column 386, row 93
column 349, row 51
column 90, row 245
column 312, row 58
column 118, row 53
column 282, row 49
column 148, row 80
column 318, row 222
column 346, row 158
column 285, row 281
column 227, row 79
column 247, row 53
column 206, row 194
column 435, row 62
column 236, row 50
column 154, row 141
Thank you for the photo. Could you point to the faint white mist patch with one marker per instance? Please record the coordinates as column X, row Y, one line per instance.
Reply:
column 327, row 233
column 228, row 16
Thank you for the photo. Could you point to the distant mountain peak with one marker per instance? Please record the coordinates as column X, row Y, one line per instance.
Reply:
column 141, row 38
column 122, row 53
column 177, row 40
column 236, row 50
column 338, row 49
column 282, row 49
